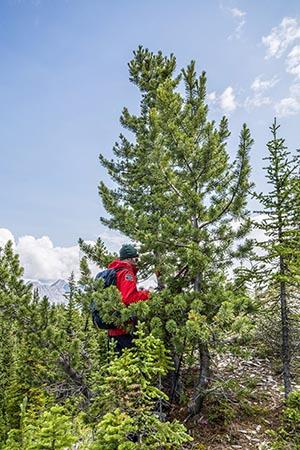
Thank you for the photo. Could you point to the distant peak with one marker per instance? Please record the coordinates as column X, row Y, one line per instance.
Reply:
column 59, row 282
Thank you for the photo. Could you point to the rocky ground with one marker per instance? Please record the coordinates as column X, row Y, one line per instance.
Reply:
column 246, row 403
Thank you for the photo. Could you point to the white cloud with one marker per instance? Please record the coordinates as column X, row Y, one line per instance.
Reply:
column 278, row 42
column 239, row 16
column 237, row 12
column 43, row 261
column 293, row 62
column 113, row 240
column 289, row 106
column 212, row 97
column 40, row 259
column 5, row 236
column 257, row 101
column 262, row 85
column 227, row 100
column 281, row 37
column 259, row 86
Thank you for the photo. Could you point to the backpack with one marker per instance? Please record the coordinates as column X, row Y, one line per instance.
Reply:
column 109, row 277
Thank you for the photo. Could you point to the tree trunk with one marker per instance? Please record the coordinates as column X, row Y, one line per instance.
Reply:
column 285, row 349
column 175, row 379
column 204, row 376
column 204, row 360
column 75, row 377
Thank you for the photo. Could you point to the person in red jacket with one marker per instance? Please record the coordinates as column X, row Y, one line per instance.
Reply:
column 126, row 283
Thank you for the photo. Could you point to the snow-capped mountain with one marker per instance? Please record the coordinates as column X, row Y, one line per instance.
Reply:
column 55, row 291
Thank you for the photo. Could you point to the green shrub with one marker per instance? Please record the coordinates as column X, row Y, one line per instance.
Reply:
column 288, row 436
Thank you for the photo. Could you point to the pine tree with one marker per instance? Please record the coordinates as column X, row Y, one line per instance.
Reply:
column 279, row 265
column 177, row 194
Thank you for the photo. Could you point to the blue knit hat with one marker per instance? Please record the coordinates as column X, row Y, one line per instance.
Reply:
column 128, row 251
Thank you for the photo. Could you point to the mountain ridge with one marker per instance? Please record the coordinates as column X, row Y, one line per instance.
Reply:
column 55, row 291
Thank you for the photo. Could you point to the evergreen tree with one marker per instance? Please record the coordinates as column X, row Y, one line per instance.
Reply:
column 42, row 349
column 279, row 265
column 52, row 429
column 127, row 397
column 177, row 194
column 15, row 298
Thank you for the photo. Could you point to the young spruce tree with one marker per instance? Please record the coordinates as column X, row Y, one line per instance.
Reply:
column 279, row 264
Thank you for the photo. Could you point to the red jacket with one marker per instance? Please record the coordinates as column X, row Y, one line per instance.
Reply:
column 126, row 283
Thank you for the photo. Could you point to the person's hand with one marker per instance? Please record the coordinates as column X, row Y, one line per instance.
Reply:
column 153, row 289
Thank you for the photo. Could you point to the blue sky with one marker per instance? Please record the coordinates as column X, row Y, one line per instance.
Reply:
column 64, row 82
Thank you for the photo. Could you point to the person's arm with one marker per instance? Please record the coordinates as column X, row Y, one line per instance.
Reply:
column 127, row 285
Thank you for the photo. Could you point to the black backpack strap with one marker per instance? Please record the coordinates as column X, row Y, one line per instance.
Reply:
column 121, row 268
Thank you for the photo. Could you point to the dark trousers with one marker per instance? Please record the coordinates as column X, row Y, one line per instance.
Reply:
column 121, row 342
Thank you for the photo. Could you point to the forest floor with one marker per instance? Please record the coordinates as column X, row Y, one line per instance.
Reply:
column 246, row 402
